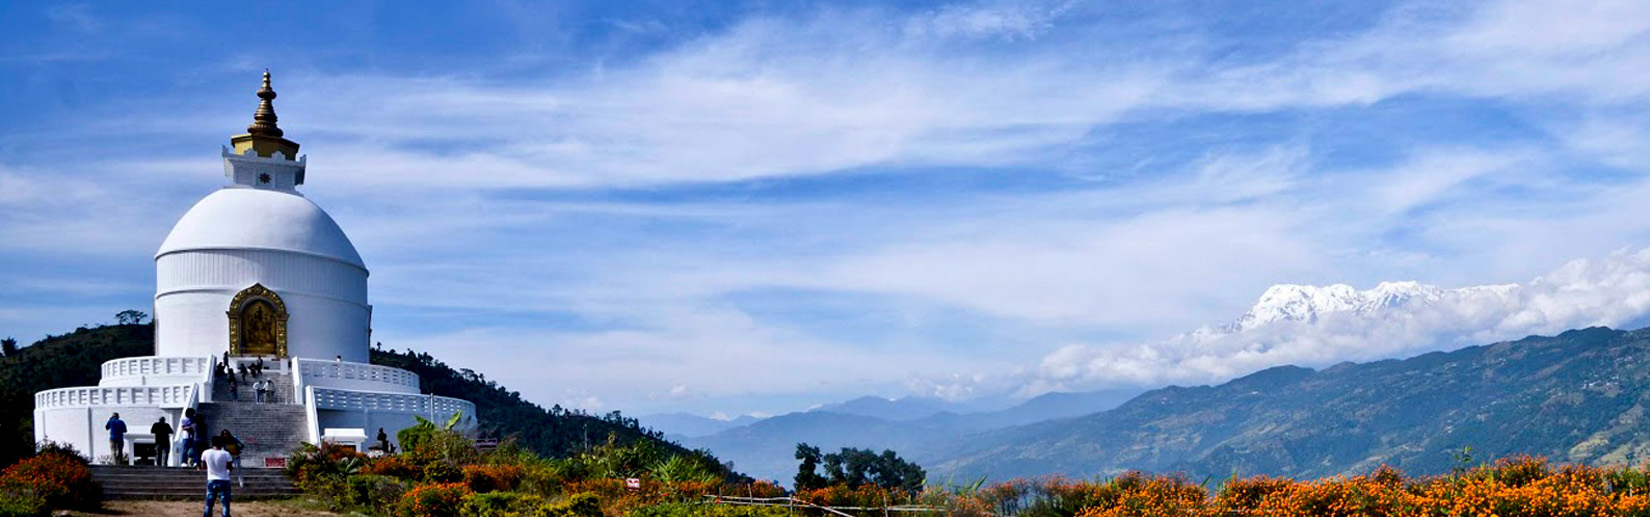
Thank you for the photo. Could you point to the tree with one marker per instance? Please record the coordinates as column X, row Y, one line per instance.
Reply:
column 8, row 347
column 806, row 477
column 131, row 317
column 857, row 467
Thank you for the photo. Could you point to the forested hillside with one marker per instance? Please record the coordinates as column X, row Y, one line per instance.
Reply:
column 74, row 359
column 71, row 359
column 555, row 432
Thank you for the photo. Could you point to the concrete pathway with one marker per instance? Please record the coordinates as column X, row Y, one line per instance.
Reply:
column 187, row 508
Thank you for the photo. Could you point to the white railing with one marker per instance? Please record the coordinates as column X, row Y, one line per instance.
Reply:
column 154, row 365
column 318, row 372
column 430, row 406
column 174, row 396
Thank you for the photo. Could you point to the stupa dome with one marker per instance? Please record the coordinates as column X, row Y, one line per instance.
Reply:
column 239, row 218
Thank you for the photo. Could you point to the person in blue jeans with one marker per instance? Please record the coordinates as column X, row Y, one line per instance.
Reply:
column 191, row 434
column 117, row 437
column 218, row 464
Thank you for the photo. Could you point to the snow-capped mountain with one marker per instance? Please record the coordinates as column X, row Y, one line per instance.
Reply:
column 1306, row 303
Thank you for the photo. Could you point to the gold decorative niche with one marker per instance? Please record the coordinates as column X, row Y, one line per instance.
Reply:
column 257, row 323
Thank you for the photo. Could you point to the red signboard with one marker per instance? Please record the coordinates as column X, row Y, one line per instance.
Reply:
column 275, row 463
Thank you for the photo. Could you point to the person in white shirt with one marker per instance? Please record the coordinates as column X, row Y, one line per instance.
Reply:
column 218, row 465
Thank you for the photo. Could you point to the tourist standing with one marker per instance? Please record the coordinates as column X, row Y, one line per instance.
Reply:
column 218, row 464
column 190, row 436
column 163, row 442
column 234, row 390
column 234, row 446
column 205, row 441
column 263, row 390
column 117, row 437
column 383, row 441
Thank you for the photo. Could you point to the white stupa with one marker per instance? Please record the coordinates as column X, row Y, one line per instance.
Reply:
column 253, row 271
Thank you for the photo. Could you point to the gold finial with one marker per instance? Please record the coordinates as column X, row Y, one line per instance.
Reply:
column 263, row 137
column 263, row 122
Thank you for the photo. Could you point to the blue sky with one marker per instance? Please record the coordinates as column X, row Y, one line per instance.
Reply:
column 757, row 207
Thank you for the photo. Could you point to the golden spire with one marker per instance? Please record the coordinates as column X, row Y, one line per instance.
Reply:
column 263, row 137
column 263, row 122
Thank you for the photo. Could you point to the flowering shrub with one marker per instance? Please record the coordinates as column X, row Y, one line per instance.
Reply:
column 704, row 510
column 394, row 466
column 437, row 500
column 755, row 489
column 865, row 495
column 60, row 480
column 489, row 478
column 312, row 460
column 1514, row 487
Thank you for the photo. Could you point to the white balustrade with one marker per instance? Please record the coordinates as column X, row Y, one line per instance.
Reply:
column 427, row 405
column 156, row 366
column 115, row 396
column 322, row 373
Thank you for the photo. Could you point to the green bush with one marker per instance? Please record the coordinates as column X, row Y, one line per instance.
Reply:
column 22, row 503
column 332, row 489
column 500, row 504
column 708, row 510
column 380, row 494
column 63, row 448
column 581, row 505
column 442, row 472
column 545, row 480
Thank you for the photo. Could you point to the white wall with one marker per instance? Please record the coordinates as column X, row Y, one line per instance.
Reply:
column 83, row 427
column 326, row 300
column 369, row 421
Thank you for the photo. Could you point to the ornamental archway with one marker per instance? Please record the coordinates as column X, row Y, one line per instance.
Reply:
column 257, row 323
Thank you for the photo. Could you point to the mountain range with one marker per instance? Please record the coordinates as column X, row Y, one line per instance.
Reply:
column 765, row 449
column 1418, row 413
column 1576, row 397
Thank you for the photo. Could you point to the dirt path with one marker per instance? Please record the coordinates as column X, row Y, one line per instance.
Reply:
column 189, row 508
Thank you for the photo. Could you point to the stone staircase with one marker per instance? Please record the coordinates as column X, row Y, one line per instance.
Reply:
column 180, row 483
column 279, row 393
column 267, row 430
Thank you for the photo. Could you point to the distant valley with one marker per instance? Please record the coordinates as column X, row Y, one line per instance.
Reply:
column 763, row 449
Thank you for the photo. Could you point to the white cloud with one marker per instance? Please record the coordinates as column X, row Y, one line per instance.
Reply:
column 1582, row 293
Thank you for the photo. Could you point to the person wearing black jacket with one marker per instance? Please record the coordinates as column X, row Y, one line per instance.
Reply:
column 163, row 441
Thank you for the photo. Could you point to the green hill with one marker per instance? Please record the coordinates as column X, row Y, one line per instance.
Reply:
column 71, row 359
column 74, row 359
